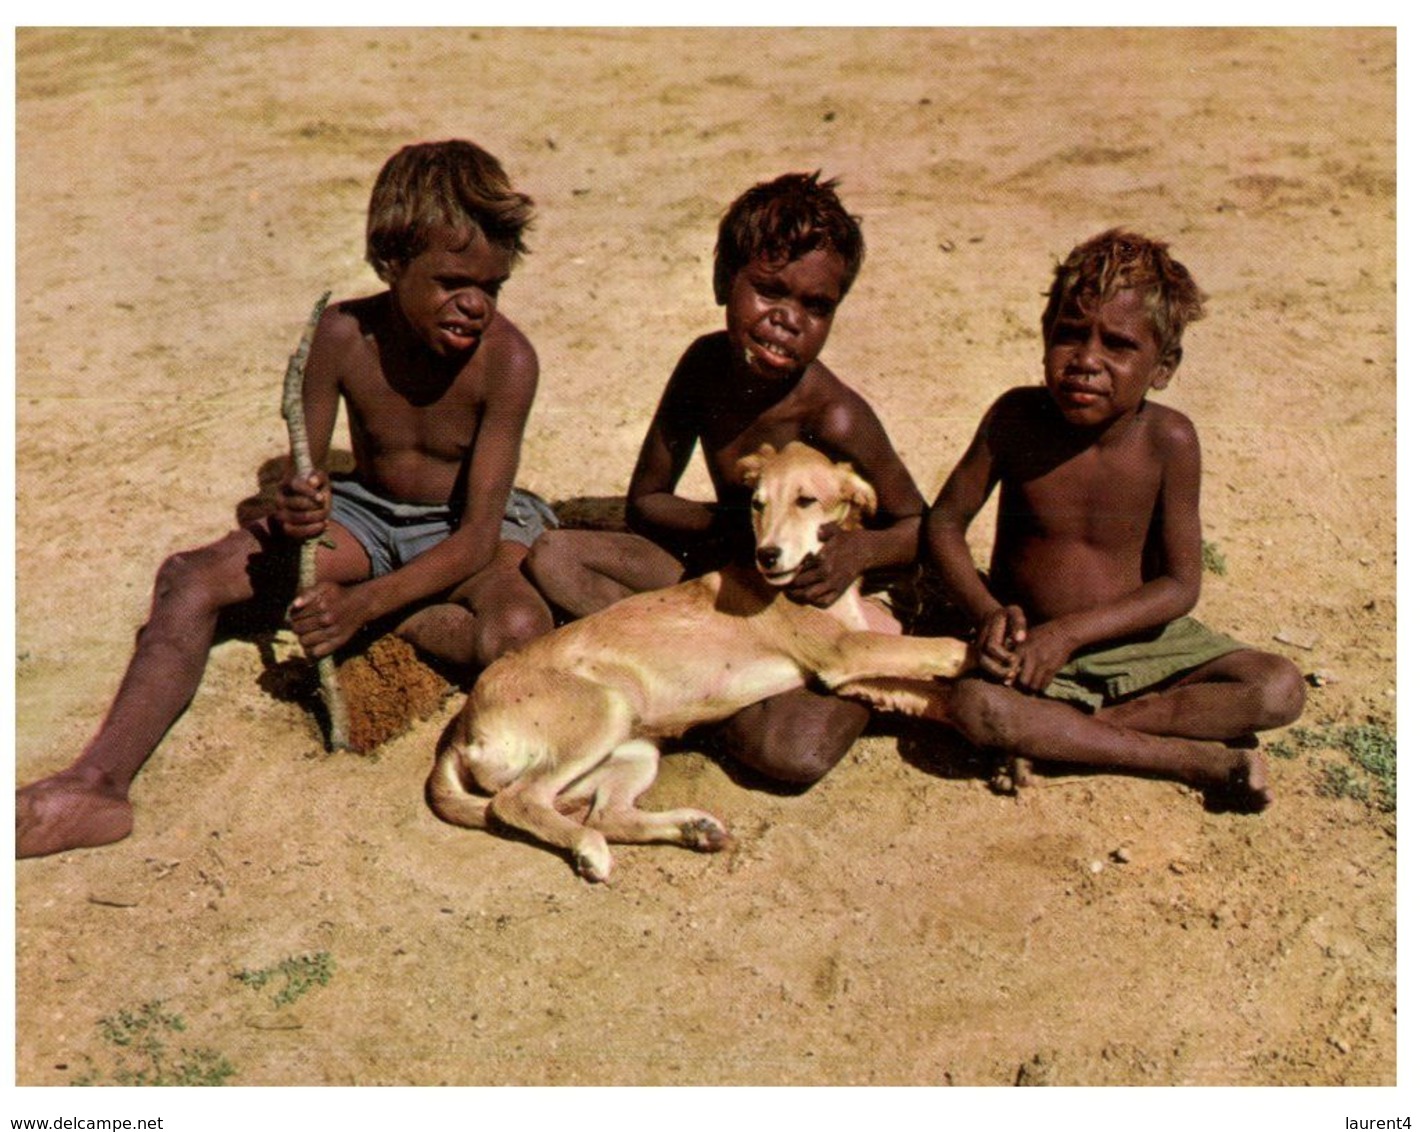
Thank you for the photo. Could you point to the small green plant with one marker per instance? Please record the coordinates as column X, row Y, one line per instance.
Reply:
column 1342, row 781
column 299, row 973
column 142, row 1058
column 1371, row 775
column 1212, row 557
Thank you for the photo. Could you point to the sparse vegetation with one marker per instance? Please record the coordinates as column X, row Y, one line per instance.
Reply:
column 1370, row 775
column 299, row 973
column 142, row 1058
column 1212, row 557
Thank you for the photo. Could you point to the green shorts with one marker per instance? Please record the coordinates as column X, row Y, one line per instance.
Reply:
column 1117, row 671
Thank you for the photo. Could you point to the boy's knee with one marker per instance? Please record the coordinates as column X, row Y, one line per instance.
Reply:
column 511, row 627
column 796, row 741
column 1282, row 693
column 183, row 578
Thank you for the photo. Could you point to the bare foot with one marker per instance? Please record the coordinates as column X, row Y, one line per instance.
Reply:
column 69, row 811
column 1014, row 775
column 1247, row 790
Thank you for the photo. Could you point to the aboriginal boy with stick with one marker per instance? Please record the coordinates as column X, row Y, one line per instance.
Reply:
column 1097, row 552
column 786, row 254
column 438, row 386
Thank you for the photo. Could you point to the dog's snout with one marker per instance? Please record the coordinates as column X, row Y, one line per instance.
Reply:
column 768, row 556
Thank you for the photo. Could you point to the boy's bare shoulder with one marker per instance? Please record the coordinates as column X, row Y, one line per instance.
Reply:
column 834, row 409
column 343, row 343
column 1168, row 426
column 705, row 358
column 353, row 320
column 509, row 349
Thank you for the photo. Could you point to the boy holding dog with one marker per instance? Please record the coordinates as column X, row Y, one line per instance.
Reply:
column 786, row 254
column 438, row 386
column 1097, row 552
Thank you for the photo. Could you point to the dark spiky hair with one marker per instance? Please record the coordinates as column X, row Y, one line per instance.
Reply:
column 782, row 220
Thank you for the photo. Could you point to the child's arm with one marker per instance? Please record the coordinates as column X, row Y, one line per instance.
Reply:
column 1171, row 591
column 851, row 431
column 1000, row 628
column 654, row 510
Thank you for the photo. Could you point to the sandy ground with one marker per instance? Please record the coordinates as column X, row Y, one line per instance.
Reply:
column 184, row 196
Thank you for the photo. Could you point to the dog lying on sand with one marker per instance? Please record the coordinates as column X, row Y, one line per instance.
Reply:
column 559, row 739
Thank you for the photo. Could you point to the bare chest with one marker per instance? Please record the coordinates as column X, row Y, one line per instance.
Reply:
column 1107, row 499
column 433, row 418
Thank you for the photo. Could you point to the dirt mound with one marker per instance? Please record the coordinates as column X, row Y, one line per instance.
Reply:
column 388, row 689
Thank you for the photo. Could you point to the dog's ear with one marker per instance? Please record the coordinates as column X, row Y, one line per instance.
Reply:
column 750, row 467
column 856, row 491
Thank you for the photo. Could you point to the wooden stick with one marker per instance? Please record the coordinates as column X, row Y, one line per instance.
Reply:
column 295, row 413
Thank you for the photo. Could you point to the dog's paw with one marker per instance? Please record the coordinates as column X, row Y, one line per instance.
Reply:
column 592, row 859
column 705, row 833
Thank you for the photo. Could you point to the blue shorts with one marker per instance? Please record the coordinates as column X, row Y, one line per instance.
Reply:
column 393, row 533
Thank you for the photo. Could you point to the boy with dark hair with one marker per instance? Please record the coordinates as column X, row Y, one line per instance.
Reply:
column 437, row 386
column 1097, row 552
column 786, row 254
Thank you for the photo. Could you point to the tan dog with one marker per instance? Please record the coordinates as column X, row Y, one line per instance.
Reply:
column 567, row 725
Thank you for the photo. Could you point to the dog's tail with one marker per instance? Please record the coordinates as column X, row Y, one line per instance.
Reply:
column 450, row 793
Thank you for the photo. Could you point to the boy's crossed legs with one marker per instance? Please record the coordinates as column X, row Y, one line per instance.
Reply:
column 1181, row 730
column 86, row 804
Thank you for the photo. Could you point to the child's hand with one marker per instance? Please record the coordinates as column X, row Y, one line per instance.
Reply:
column 1041, row 656
column 303, row 505
column 326, row 616
column 997, row 641
column 824, row 576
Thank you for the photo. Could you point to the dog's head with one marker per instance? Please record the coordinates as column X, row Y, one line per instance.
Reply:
column 794, row 492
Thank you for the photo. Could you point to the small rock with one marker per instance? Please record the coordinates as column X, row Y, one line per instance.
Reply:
column 1299, row 638
column 1039, row 1071
column 1096, row 866
column 1121, row 855
column 1320, row 677
column 1339, row 1043
column 113, row 899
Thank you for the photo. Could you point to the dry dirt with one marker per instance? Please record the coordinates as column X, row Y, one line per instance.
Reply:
column 182, row 199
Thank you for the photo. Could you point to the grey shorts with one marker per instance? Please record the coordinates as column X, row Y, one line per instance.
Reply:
column 393, row 533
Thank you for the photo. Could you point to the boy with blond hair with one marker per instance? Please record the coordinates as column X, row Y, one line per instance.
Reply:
column 1087, row 653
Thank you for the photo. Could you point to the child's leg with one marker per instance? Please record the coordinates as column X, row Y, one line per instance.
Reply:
column 582, row 572
column 496, row 610
column 995, row 717
column 87, row 803
column 795, row 738
column 1227, row 698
